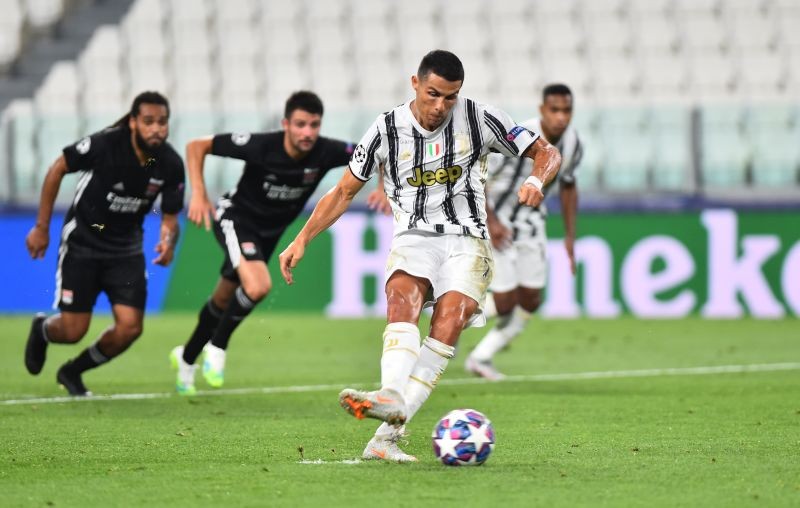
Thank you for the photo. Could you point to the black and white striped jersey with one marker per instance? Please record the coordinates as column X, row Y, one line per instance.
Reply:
column 507, row 174
column 435, row 179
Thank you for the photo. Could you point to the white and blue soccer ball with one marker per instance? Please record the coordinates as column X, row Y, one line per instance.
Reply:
column 464, row 437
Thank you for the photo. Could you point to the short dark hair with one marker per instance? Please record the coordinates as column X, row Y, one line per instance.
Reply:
column 148, row 97
column 442, row 63
column 555, row 89
column 303, row 100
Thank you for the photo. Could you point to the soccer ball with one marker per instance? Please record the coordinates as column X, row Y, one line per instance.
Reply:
column 464, row 437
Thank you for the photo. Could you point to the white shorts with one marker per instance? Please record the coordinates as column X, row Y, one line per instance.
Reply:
column 449, row 262
column 523, row 263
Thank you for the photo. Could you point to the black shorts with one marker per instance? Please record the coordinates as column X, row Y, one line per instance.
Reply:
column 79, row 280
column 239, row 240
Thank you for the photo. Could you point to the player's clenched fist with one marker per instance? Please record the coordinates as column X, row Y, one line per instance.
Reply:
column 529, row 195
column 289, row 259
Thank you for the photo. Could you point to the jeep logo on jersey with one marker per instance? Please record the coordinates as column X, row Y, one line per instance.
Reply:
column 240, row 138
column 434, row 176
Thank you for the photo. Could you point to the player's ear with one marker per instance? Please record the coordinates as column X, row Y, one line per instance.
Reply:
column 414, row 82
column 284, row 124
column 131, row 122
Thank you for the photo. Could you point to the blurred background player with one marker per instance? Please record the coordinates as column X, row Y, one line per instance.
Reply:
column 125, row 168
column 519, row 236
column 282, row 170
column 432, row 150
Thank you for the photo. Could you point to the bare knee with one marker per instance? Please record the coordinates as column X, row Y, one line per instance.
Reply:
column 505, row 302
column 70, row 332
column 257, row 290
column 128, row 331
column 530, row 299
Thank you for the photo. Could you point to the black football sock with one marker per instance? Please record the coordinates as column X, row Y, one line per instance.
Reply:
column 207, row 322
column 89, row 358
column 241, row 305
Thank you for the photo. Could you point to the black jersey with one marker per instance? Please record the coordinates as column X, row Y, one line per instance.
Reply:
column 116, row 192
column 274, row 187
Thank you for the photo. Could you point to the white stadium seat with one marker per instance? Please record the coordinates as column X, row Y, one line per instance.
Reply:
column 43, row 13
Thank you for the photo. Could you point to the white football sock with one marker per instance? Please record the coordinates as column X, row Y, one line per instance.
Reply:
column 400, row 353
column 503, row 332
column 433, row 359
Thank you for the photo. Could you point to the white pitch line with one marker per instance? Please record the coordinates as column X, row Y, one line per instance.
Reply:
column 569, row 376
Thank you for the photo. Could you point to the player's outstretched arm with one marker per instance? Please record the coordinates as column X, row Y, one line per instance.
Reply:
column 200, row 208
column 39, row 236
column 328, row 210
column 170, row 231
column 546, row 162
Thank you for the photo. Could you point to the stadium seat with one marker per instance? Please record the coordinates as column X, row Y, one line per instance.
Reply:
column 369, row 13
column 655, row 34
column 234, row 14
column 468, row 36
column 763, row 75
column 787, row 27
column 616, row 79
column 194, row 85
column 241, row 85
column 381, row 85
column 724, row 151
column 373, row 40
column 190, row 41
column 608, row 36
column 336, row 85
column 411, row 11
column 672, row 166
column 328, row 40
column 104, row 48
column 43, row 13
column 24, row 162
column 282, row 41
column 145, row 13
column 591, row 9
column 427, row 36
column 560, row 36
column 752, row 31
column 773, row 131
column 704, row 33
column 567, row 69
column 693, row 8
column 10, row 32
column 320, row 14
column 561, row 10
column 712, row 76
column 519, row 80
column 281, row 13
column 189, row 12
column 665, row 77
column 628, row 148
column 585, row 122
column 238, row 40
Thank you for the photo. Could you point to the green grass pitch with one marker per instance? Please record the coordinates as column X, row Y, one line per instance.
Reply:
column 687, row 439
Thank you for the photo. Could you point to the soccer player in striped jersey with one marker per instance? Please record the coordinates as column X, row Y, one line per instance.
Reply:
column 433, row 151
column 518, row 233
column 125, row 168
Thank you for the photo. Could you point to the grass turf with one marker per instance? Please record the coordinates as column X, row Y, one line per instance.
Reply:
column 717, row 440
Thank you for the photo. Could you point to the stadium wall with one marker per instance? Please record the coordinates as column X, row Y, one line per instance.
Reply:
column 717, row 263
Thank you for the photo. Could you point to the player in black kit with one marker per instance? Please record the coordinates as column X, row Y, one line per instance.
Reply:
column 282, row 170
column 125, row 168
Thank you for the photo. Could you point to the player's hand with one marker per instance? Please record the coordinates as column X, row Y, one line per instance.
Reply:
column 569, row 244
column 501, row 236
column 377, row 200
column 289, row 259
column 529, row 195
column 165, row 253
column 201, row 210
column 37, row 241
